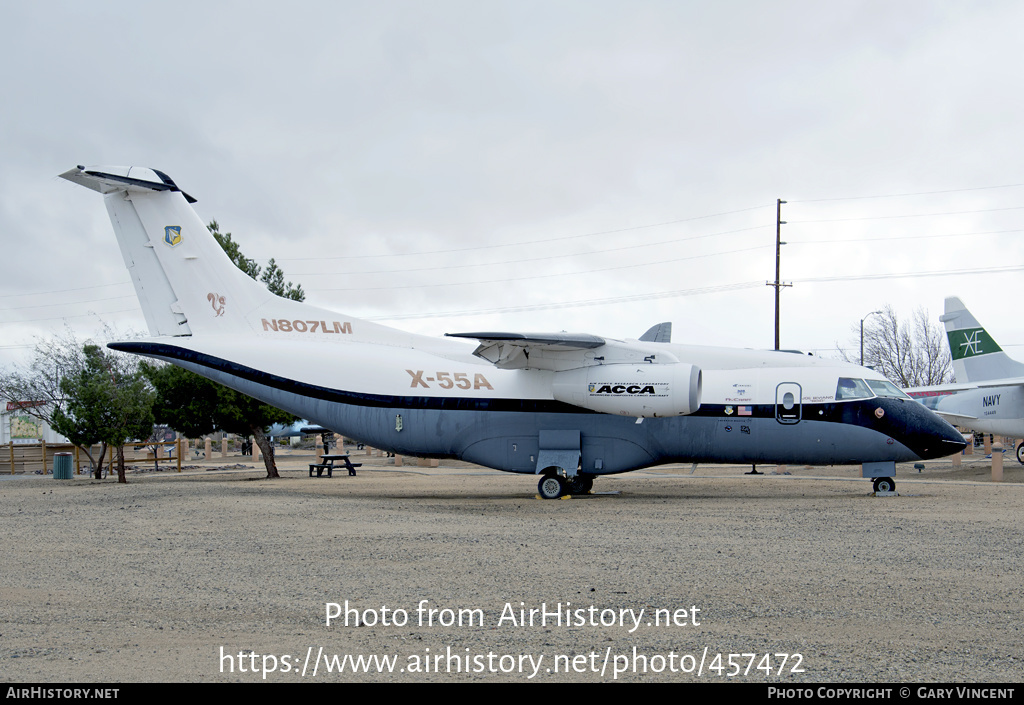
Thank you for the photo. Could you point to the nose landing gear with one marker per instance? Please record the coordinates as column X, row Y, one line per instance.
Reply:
column 553, row 486
column 884, row 484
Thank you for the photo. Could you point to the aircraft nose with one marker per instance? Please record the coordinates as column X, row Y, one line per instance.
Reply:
column 928, row 434
column 951, row 441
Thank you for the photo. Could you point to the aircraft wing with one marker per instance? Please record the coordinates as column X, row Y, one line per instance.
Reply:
column 951, row 417
column 564, row 341
column 1005, row 382
column 940, row 389
column 558, row 351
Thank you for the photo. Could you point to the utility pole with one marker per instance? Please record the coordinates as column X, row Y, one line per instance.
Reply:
column 779, row 222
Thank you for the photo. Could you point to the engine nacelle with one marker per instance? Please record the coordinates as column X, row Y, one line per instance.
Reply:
column 631, row 390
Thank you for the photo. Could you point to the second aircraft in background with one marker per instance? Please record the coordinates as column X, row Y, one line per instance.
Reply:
column 988, row 395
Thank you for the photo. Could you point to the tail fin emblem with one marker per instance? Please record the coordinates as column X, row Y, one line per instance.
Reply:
column 172, row 235
column 972, row 344
column 217, row 302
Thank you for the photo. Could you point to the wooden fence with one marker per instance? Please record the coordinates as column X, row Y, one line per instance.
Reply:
column 38, row 457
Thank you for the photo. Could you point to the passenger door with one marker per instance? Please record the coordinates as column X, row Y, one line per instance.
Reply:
column 787, row 403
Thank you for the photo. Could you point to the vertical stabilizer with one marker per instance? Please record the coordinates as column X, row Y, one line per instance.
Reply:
column 976, row 356
column 185, row 282
column 661, row 333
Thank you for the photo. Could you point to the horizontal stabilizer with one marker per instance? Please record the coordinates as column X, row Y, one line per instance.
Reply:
column 118, row 178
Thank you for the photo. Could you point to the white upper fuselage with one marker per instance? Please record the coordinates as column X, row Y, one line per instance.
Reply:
column 336, row 356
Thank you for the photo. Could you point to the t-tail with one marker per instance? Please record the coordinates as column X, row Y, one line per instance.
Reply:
column 185, row 282
column 976, row 356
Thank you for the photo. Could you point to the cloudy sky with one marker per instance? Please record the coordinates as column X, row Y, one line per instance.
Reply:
column 592, row 166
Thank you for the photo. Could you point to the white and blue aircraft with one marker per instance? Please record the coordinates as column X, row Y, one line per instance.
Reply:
column 567, row 407
column 988, row 395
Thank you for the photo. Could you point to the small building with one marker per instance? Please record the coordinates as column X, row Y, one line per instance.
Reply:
column 17, row 425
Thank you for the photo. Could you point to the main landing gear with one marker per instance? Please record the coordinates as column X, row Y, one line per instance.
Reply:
column 884, row 484
column 553, row 486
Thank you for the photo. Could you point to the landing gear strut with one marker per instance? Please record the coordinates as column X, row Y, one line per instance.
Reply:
column 581, row 484
column 553, row 485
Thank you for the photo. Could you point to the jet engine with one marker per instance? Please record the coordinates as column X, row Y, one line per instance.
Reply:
column 631, row 390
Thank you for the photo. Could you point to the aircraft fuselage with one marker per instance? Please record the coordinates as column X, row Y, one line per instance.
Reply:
column 997, row 410
column 449, row 406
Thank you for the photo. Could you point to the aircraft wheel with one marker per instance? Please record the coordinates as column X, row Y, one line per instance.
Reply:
column 1020, row 454
column 581, row 484
column 551, row 487
column 884, row 484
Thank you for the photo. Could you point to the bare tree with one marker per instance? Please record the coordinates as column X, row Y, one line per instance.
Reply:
column 910, row 353
column 35, row 388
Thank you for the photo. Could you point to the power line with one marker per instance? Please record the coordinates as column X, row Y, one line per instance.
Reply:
column 70, row 303
column 669, row 222
column 543, row 240
column 542, row 276
column 900, row 195
column 906, row 237
column 573, row 304
column 531, row 259
column 534, row 259
column 685, row 292
column 915, row 275
column 63, row 291
column 76, row 316
column 913, row 215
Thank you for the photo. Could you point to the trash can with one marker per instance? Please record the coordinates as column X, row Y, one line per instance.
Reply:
column 63, row 466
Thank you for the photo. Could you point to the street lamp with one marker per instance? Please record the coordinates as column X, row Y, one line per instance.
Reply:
column 862, row 335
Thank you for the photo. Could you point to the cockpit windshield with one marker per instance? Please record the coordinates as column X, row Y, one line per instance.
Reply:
column 885, row 388
column 852, row 388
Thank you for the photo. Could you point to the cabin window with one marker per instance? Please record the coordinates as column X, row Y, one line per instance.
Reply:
column 885, row 388
column 851, row 388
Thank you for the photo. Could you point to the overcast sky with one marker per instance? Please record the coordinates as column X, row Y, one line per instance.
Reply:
column 532, row 166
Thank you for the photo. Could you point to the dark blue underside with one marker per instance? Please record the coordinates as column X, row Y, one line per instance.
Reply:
column 462, row 427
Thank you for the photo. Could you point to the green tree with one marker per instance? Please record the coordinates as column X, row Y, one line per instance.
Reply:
column 196, row 407
column 230, row 247
column 273, row 276
column 37, row 384
column 106, row 401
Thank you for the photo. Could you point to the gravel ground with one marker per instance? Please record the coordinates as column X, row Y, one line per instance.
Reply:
column 194, row 577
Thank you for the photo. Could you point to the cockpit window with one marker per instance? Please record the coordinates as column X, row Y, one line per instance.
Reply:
column 885, row 388
column 851, row 388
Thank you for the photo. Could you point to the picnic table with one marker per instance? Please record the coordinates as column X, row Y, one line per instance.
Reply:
column 328, row 463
